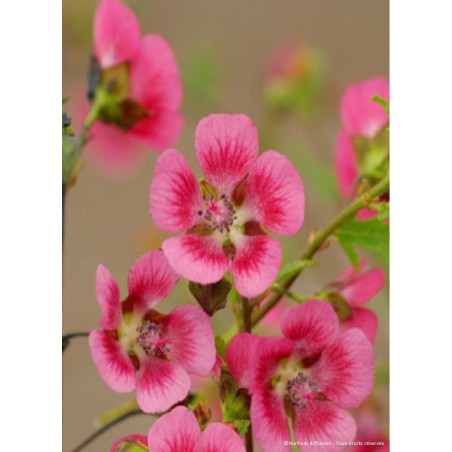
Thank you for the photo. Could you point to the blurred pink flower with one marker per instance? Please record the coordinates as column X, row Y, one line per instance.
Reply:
column 358, row 287
column 178, row 431
column 310, row 375
column 224, row 219
column 140, row 348
column 152, row 88
column 362, row 118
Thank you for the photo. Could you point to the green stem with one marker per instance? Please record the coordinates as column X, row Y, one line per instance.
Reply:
column 247, row 326
column 319, row 240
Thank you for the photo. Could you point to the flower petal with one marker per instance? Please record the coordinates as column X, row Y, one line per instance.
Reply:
column 107, row 293
column 159, row 131
column 175, row 197
column 239, row 354
column 363, row 287
column 256, row 264
column 221, row 438
column 188, row 334
column 361, row 115
column 135, row 439
column 177, row 431
column 269, row 420
column 313, row 325
column 323, row 422
column 346, row 165
column 116, row 33
column 268, row 354
column 275, row 193
column 226, row 147
column 197, row 258
column 364, row 319
column 112, row 362
column 160, row 384
column 150, row 280
column 154, row 76
column 345, row 369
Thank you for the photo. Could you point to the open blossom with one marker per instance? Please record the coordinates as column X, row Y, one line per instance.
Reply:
column 224, row 219
column 309, row 376
column 178, row 431
column 358, row 287
column 141, row 77
column 142, row 349
column 361, row 146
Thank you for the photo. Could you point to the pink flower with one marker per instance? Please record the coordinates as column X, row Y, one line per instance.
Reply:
column 310, row 376
column 178, row 431
column 358, row 288
column 140, row 348
column 224, row 220
column 362, row 120
column 145, row 73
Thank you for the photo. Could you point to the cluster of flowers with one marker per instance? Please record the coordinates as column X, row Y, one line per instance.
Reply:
column 322, row 365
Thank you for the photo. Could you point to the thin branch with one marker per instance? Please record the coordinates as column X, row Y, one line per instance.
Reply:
column 67, row 337
column 106, row 427
column 319, row 240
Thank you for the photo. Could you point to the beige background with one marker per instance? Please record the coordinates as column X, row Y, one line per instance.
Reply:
column 108, row 220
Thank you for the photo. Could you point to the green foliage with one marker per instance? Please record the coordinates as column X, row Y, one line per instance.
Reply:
column 383, row 102
column 211, row 297
column 350, row 252
column 383, row 211
column 291, row 269
column 241, row 426
column 220, row 345
column 235, row 401
column 132, row 445
column 371, row 235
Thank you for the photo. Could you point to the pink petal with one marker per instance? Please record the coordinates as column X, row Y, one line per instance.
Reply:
column 176, row 431
column 116, row 33
column 345, row 369
column 140, row 439
column 256, row 264
column 112, row 362
column 154, row 76
column 363, row 287
column 160, row 385
column 159, row 131
column 361, row 115
column 239, row 355
column 366, row 214
column 196, row 258
column 226, row 147
column 175, row 197
column 313, row 325
column 107, row 293
column 269, row 420
column 188, row 334
column 351, row 271
column 112, row 149
column 268, row 354
column 323, row 421
column 346, row 165
column 364, row 319
column 221, row 438
column 275, row 194
column 150, row 280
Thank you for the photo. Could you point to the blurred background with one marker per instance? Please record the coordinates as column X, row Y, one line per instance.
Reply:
column 226, row 55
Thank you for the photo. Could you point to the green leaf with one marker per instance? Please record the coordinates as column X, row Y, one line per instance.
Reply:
column 235, row 401
column 292, row 268
column 241, row 426
column 383, row 102
column 211, row 297
column 383, row 211
column 371, row 235
column 220, row 345
column 350, row 252
column 131, row 445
